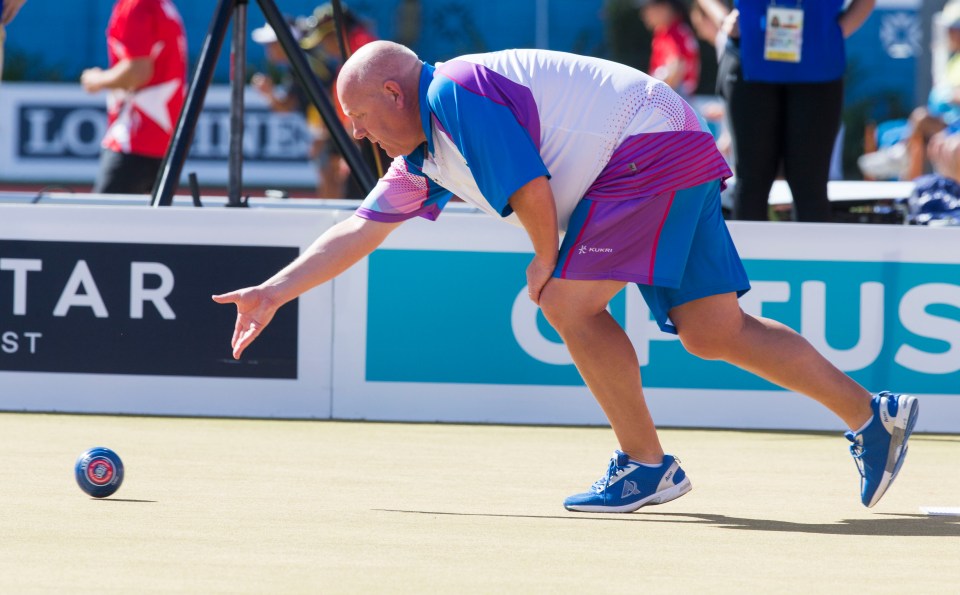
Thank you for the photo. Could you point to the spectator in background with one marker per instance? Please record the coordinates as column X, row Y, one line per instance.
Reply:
column 287, row 96
column 675, row 53
column 944, row 153
column 8, row 10
column 708, row 28
column 782, row 76
column 322, row 46
column 713, row 111
column 321, row 34
column 146, row 80
column 931, row 127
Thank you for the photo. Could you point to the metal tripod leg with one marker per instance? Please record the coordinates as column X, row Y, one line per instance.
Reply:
column 169, row 176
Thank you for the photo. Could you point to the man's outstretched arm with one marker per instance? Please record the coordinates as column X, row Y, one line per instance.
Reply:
column 332, row 253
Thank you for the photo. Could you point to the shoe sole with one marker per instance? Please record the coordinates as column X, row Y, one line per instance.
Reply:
column 908, row 409
column 671, row 493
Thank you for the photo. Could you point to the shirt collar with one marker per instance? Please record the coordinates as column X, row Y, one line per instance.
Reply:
column 426, row 77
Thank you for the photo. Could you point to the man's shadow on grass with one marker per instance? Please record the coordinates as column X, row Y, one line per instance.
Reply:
column 885, row 524
column 899, row 525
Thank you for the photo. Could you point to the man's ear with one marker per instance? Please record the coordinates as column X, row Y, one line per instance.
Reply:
column 393, row 89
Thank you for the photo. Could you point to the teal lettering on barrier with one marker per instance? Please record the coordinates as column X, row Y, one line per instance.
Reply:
column 463, row 317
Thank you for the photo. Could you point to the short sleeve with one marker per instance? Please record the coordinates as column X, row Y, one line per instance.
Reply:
column 403, row 193
column 135, row 32
column 499, row 151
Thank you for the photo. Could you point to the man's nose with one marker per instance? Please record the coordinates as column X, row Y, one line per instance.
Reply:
column 358, row 133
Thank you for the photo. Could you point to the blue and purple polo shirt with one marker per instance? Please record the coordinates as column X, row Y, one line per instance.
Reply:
column 495, row 121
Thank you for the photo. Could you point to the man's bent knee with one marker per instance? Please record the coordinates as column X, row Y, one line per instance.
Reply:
column 565, row 302
column 705, row 345
column 559, row 308
column 711, row 339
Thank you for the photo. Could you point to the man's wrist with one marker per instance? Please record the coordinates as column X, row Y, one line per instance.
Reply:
column 546, row 260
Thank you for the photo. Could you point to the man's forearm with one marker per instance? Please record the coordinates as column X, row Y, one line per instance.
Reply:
column 534, row 205
column 339, row 248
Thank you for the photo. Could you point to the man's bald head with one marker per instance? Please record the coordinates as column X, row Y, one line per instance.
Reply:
column 379, row 90
column 376, row 63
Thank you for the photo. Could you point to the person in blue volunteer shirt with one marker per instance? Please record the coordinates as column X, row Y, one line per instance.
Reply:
column 782, row 76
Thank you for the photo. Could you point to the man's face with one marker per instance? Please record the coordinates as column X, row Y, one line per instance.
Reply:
column 384, row 117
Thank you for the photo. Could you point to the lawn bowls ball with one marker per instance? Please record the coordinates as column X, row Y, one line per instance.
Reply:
column 99, row 472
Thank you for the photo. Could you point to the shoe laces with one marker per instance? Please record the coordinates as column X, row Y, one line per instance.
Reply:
column 602, row 483
column 612, row 470
column 856, row 449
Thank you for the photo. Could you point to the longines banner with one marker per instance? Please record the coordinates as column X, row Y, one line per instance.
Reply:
column 125, row 308
column 52, row 132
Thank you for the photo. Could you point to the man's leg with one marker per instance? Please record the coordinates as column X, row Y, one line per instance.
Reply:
column 716, row 328
column 605, row 358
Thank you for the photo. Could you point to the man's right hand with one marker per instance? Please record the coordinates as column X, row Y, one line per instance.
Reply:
column 255, row 310
column 329, row 255
column 539, row 273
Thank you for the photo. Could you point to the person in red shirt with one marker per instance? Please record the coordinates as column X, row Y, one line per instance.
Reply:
column 146, row 80
column 675, row 57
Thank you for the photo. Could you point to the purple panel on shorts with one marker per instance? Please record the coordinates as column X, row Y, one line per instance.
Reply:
column 499, row 89
column 647, row 165
column 601, row 250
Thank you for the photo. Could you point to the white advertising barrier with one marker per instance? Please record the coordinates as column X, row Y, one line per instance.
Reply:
column 436, row 325
column 108, row 309
column 51, row 132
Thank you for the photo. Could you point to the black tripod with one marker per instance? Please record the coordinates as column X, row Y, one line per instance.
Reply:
column 169, row 176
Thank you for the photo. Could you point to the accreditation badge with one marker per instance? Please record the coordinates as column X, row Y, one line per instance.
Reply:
column 784, row 34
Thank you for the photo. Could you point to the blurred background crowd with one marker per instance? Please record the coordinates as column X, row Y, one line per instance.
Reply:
column 894, row 84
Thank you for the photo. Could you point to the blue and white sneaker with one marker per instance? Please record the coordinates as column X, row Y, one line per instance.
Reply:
column 628, row 485
column 880, row 448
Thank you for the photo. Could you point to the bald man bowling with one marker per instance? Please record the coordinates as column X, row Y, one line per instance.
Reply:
column 615, row 180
